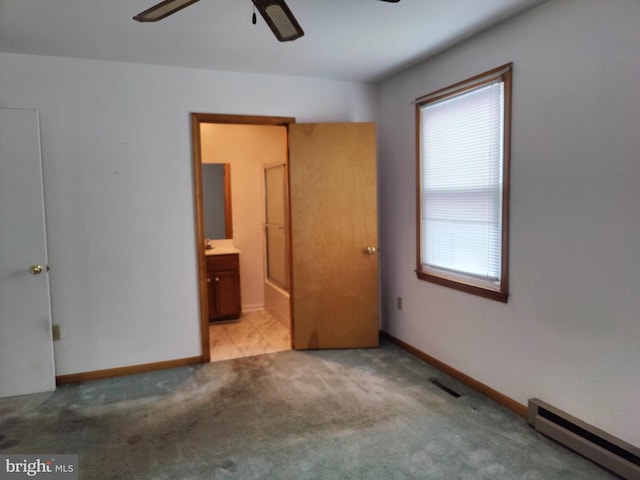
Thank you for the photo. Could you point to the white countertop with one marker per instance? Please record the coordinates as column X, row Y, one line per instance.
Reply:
column 221, row 247
column 221, row 251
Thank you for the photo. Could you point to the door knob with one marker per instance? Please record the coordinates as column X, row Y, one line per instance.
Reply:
column 370, row 250
column 36, row 269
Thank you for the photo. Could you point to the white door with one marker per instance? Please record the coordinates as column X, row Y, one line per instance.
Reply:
column 26, row 344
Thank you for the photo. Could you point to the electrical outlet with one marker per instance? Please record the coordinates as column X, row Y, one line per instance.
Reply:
column 399, row 303
column 56, row 331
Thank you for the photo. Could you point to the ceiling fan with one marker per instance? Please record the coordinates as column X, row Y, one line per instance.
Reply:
column 275, row 12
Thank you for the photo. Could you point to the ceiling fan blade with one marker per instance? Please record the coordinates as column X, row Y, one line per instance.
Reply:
column 280, row 19
column 390, row 1
column 163, row 9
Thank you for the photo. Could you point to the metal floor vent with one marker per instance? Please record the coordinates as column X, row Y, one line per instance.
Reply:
column 606, row 450
column 443, row 387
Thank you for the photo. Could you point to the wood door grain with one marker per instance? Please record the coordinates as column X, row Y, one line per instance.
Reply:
column 333, row 192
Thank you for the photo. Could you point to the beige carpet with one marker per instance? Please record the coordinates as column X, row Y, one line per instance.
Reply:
column 343, row 414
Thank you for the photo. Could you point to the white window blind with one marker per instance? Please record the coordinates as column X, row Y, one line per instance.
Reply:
column 462, row 139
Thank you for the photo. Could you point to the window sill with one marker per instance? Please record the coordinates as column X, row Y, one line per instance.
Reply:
column 481, row 291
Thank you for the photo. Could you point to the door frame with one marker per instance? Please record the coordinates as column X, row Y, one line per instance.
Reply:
column 198, row 119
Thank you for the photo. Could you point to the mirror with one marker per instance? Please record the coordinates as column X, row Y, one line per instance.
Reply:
column 216, row 200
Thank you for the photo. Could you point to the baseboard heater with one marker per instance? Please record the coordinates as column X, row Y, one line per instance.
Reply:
column 615, row 455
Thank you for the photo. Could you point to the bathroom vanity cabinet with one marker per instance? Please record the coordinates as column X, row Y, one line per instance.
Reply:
column 223, row 286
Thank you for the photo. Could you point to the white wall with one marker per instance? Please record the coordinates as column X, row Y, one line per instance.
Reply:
column 570, row 333
column 118, row 191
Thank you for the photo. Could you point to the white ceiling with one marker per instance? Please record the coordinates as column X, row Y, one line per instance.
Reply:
column 356, row 40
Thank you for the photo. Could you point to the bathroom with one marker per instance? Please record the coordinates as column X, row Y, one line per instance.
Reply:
column 255, row 159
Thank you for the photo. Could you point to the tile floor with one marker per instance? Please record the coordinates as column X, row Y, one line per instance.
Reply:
column 255, row 333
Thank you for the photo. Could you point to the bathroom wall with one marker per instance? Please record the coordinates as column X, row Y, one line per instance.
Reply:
column 247, row 148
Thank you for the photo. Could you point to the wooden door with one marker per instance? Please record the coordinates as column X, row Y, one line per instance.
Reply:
column 334, row 264
column 26, row 343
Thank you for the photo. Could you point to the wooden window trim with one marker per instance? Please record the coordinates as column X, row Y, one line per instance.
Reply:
column 500, row 293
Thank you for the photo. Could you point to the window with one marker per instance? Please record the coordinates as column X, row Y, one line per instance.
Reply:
column 463, row 184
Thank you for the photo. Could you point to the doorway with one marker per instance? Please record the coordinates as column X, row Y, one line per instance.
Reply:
column 260, row 328
column 333, row 264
